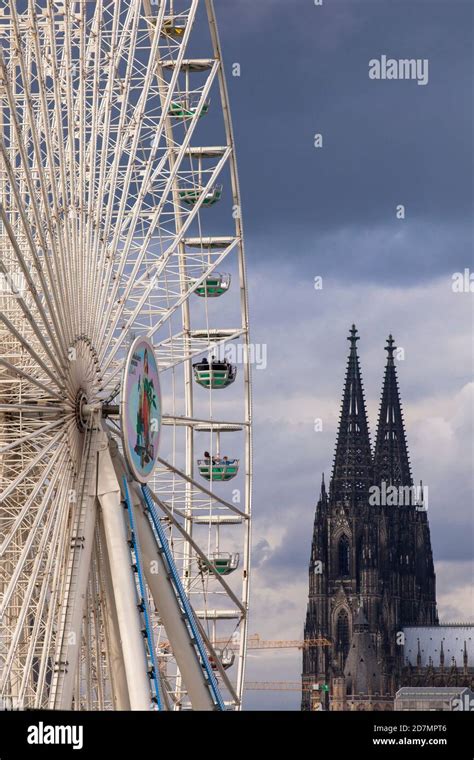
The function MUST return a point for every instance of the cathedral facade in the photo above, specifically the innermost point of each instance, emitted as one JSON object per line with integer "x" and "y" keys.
{"x": 371, "y": 571}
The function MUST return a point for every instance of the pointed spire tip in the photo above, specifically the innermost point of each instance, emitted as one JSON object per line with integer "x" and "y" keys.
{"x": 390, "y": 347}
{"x": 353, "y": 337}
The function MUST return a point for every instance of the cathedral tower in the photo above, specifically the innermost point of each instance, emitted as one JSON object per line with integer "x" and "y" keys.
{"x": 371, "y": 566}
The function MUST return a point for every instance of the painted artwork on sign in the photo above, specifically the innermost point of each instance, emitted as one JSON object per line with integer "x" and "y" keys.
{"x": 141, "y": 410}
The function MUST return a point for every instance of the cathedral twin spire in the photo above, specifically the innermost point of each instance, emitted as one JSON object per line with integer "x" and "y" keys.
{"x": 391, "y": 454}
{"x": 355, "y": 470}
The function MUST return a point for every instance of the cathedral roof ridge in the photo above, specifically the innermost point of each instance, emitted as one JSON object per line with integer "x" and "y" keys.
{"x": 456, "y": 624}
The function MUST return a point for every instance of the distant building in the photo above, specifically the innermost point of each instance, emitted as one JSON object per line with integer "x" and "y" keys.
{"x": 440, "y": 655}
{"x": 371, "y": 573}
{"x": 438, "y": 699}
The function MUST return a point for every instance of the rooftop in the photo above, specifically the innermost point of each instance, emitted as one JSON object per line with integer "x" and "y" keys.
{"x": 427, "y": 692}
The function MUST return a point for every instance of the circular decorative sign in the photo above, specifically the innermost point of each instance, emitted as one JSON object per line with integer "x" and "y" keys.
{"x": 141, "y": 409}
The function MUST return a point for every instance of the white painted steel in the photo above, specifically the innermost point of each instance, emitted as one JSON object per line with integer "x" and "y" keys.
{"x": 96, "y": 248}
{"x": 123, "y": 583}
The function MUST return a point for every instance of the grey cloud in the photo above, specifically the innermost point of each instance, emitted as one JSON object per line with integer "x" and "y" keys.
{"x": 305, "y": 70}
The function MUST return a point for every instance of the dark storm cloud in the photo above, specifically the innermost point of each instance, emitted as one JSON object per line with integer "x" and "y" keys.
{"x": 305, "y": 70}
{"x": 399, "y": 252}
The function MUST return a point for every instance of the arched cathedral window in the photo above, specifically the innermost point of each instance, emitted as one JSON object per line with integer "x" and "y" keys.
{"x": 342, "y": 633}
{"x": 344, "y": 556}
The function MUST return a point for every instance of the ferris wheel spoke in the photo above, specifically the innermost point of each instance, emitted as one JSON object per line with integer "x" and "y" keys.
{"x": 153, "y": 173}
{"x": 38, "y": 645}
{"x": 28, "y": 347}
{"x": 29, "y": 467}
{"x": 181, "y": 348}
{"x": 51, "y": 283}
{"x": 31, "y": 538}
{"x": 100, "y": 148}
{"x": 18, "y": 516}
{"x": 28, "y": 546}
{"x": 175, "y": 300}
{"x": 51, "y": 622}
{"x": 141, "y": 282}
{"x": 51, "y": 131}
{"x": 14, "y": 370}
{"x": 26, "y": 344}
{"x": 66, "y": 201}
{"x": 132, "y": 130}
{"x": 91, "y": 151}
{"x": 120, "y": 126}
{"x": 31, "y": 586}
{"x": 132, "y": 164}
{"x": 29, "y": 436}
{"x": 37, "y": 409}
{"x": 29, "y": 281}
{"x": 76, "y": 117}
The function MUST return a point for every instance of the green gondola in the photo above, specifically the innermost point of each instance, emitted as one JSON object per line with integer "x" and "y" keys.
{"x": 213, "y": 286}
{"x": 214, "y": 376}
{"x": 223, "y": 563}
{"x": 186, "y": 110}
{"x": 220, "y": 472}
{"x": 193, "y": 195}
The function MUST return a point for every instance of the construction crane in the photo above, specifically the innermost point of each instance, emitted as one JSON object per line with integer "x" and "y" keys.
{"x": 256, "y": 642}
{"x": 277, "y": 686}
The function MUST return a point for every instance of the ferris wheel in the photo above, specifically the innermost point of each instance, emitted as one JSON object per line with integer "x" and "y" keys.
{"x": 124, "y": 565}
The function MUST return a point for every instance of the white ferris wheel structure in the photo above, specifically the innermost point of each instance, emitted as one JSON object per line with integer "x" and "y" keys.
{"x": 119, "y": 221}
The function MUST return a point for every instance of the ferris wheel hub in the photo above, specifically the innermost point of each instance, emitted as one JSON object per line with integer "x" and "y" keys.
{"x": 80, "y": 411}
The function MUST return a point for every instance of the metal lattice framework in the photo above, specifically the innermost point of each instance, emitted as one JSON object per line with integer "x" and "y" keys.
{"x": 115, "y": 147}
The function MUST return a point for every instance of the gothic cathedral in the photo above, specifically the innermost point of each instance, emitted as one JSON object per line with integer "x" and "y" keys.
{"x": 371, "y": 569}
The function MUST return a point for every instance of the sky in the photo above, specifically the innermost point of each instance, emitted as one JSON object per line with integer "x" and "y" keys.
{"x": 331, "y": 213}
